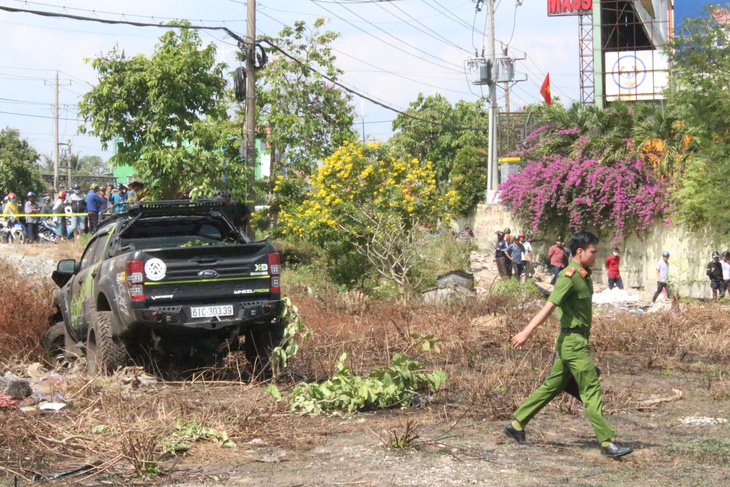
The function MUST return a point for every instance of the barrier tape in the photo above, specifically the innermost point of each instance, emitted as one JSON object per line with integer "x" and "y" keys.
{"x": 14, "y": 215}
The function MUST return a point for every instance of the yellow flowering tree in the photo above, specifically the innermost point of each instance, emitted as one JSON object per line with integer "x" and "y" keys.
{"x": 361, "y": 193}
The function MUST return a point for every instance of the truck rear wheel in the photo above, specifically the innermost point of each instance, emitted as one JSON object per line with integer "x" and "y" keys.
{"x": 259, "y": 343}
{"x": 104, "y": 353}
{"x": 53, "y": 342}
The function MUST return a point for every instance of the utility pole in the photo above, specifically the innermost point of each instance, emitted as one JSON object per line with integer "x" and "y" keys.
{"x": 55, "y": 139}
{"x": 505, "y": 53}
{"x": 250, "y": 139}
{"x": 250, "y": 133}
{"x": 492, "y": 153}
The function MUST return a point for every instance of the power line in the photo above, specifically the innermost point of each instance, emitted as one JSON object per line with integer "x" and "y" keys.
{"x": 238, "y": 38}
{"x": 379, "y": 68}
{"x": 434, "y": 35}
{"x": 449, "y": 15}
{"x": 124, "y": 15}
{"x": 123, "y": 22}
{"x": 367, "y": 97}
{"x": 390, "y": 44}
{"x": 41, "y": 116}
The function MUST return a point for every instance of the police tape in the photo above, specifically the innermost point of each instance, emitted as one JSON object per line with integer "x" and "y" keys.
{"x": 16, "y": 215}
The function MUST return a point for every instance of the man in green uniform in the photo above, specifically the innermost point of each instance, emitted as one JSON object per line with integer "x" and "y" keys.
{"x": 572, "y": 296}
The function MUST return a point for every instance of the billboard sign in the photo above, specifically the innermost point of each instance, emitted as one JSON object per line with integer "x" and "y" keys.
{"x": 560, "y": 8}
{"x": 636, "y": 75}
{"x": 684, "y": 9}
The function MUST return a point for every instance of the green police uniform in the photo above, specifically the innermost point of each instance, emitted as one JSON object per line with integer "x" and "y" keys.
{"x": 573, "y": 295}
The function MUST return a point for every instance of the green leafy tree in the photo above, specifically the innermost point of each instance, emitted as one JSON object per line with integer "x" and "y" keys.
{"x": 468, "y": 179}
{"x": 18, "y": 171}
{"x": 167, "y": 116}
{"x": 307, "y": 116}
{"x": 439, "y": 142}
{"x": 700, "y": 56}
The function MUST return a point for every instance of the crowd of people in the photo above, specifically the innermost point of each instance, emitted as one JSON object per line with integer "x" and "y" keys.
{"x": 514, "y": 255}
{"x": 76, "y": 211}
{"x": 514, "y": 258}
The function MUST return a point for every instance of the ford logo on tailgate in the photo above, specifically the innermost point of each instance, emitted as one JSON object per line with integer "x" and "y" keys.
{"x": 208, "y": 273}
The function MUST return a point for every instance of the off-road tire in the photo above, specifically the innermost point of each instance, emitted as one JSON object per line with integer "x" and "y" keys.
{"x": 259, "y": 343}
{"x": 53, "y": 342}
{"x": 104, "y": 353}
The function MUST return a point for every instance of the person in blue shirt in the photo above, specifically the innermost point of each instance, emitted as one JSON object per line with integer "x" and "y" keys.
{"x": 117, "y": 198}
{"x": 94, "y": 203}
{"x": 515, "y": 253}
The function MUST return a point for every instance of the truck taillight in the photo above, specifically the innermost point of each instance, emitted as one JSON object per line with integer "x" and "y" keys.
{"x": 275, "y": 271}
{"x": 135, "y": 279}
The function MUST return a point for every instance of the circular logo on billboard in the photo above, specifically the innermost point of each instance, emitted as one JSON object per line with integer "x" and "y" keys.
{"x": 155, "y": 269}
{"x": 629, "y": 72}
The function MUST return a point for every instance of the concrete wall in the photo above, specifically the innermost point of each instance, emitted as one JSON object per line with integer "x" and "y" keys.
{"x": 690, "y": 252}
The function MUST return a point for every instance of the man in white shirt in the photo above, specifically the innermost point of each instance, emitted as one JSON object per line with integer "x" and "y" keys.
{"x": 662, "y": 276}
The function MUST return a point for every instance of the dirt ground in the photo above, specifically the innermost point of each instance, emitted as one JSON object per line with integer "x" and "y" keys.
{"x": 458, "y": 430}
{"x": 457, "y": 445}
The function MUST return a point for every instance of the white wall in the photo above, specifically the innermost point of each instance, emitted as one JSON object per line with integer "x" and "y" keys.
{"x": 690, "y": 252}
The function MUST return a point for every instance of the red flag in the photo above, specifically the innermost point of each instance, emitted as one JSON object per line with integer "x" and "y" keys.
{"x": 545, "y": 90}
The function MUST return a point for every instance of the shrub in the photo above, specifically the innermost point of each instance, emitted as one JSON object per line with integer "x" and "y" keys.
{"x": 364, "y": 201}
{"x": 25, "y": 305}
{"x": 621, "y": 196}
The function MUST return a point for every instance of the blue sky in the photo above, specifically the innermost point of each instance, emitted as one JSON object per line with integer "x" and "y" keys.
{"x": 392, "y": 50}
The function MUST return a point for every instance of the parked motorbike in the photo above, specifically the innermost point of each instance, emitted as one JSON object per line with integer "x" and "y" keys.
{"x": 12, "y": 231}
{"x": 50, "y": 232}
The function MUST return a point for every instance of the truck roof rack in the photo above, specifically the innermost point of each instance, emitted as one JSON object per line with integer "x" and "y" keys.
{"x": 163, "y": 208}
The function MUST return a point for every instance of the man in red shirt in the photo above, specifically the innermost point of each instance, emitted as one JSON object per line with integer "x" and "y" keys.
{"x": 556, "y": 254}
{"x": 614, "y": 276}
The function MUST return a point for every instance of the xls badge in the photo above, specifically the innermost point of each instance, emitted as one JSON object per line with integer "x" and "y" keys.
{"x": 155, "y": 269}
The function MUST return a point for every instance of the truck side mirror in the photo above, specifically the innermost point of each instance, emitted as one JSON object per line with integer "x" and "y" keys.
{"x": 64, "y": 272}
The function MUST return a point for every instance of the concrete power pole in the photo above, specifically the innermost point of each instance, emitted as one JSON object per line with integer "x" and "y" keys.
{"x": 250, "y": 139}
{"x": 505, "y": 53}
{"x": 492, "y": 153}
{"x": 55, "y": 139}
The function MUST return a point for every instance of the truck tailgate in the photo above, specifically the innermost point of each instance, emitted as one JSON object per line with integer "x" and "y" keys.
{"x": 206, "y": 274}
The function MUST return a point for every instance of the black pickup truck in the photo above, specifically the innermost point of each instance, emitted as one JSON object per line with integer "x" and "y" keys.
{"x": 175, "y": 276}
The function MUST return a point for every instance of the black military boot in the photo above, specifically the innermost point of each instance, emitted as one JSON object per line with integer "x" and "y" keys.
{"x": 518, "y": 436}
{"x": 614, "y": 451}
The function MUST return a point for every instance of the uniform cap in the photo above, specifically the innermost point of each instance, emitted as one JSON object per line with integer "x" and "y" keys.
{"x": 665, "y": 254}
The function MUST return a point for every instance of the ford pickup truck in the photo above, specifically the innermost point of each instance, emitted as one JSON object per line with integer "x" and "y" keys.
{"x": 174, "y": 276}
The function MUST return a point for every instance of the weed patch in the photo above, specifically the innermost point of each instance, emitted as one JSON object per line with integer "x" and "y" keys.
{"x": 395, "y": 385}
{"x": 25, "y": 305}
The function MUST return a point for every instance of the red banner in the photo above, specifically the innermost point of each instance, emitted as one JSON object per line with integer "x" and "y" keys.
{"x": 558, "y": 8}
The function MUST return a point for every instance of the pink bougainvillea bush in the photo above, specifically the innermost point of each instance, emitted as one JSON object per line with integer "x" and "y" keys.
{"x": 575, "y": 192}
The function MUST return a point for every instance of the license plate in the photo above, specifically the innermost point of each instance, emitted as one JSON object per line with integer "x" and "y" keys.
{"x": 211, "y": 311}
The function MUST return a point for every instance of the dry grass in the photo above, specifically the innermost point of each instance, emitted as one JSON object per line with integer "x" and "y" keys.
{"x": 67, "y": 249}
{"x": 484, "y": 370}
{"x": 25, "y": 305}
{"x": 129, "y": 432}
